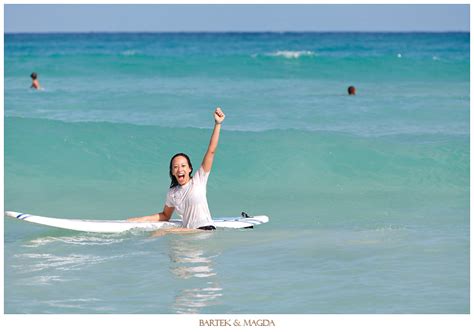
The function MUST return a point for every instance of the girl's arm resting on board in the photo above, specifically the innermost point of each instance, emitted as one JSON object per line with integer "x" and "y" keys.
{"x": 165, "y": 215}
{"x": 211, "y": 150}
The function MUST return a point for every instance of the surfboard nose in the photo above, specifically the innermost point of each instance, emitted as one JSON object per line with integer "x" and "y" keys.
{"x": 11, "y": 214}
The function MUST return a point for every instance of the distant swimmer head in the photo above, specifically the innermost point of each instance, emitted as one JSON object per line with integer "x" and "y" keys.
{"x": 351, "y": 90}
{"x": 34, "y": 84}
{"x": 180, "y": 169}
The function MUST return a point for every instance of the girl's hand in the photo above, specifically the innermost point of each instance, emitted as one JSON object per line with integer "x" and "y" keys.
{"x": 219, "y": 116}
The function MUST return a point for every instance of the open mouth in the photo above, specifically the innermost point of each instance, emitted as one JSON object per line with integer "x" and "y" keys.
{"x": 180, "y": 177}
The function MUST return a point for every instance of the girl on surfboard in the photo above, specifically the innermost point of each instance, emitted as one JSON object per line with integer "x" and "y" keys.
{"x": 187, "y": 193}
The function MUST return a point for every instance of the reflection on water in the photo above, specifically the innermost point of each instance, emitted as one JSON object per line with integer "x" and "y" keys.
{"x": 55, "y": 274}
{"x": 191, "y": 262}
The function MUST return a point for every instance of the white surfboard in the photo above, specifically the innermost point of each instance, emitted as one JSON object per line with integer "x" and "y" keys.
{"x": 118, "y": 226}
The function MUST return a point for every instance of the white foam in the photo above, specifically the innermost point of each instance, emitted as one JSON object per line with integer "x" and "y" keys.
{"x": 76, "y": 240}
{"x": 45, "y": 280}
{"x": 72, "y": 303}
{"x": 42, "y": 262}
{"x": 292, "y": 54}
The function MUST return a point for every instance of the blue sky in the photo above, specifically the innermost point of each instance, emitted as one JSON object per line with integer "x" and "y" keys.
{"x": 317, "y": 17}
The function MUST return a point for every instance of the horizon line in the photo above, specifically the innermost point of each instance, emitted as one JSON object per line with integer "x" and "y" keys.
{"x": 237, "y": 31}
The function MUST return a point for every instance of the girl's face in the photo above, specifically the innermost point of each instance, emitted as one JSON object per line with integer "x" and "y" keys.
{"x": 181, "y": 170}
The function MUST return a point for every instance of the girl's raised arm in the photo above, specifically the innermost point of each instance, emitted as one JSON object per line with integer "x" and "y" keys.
{"x": 211, "y": 150}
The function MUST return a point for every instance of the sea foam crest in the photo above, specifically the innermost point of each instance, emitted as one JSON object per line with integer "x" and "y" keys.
{"x": 292, "y": 54}
{"x": 105, "y": 239}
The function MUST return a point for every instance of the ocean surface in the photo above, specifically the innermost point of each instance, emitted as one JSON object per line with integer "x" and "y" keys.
{"x": 368, "y": 195}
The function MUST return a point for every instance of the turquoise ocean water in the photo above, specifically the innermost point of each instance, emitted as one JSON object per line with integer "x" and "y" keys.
{"x": 368, "y": 195}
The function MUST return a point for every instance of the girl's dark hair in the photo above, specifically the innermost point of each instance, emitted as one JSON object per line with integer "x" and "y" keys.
{"x": 174, "y": 182}
{"x": 34, "y": 75}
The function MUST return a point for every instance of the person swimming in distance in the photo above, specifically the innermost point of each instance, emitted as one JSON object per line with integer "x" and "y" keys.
{"x": 351, "y": 90}
{"x": 35, "y": 83}
{"x": 187, "y": 193}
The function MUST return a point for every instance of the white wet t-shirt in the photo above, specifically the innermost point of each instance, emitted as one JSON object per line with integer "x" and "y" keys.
{"x": 190, "y": 201}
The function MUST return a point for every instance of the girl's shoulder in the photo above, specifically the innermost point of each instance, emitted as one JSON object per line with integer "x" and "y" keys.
{"x": 200, "y": 175}
{"x": 173, "y": 190}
